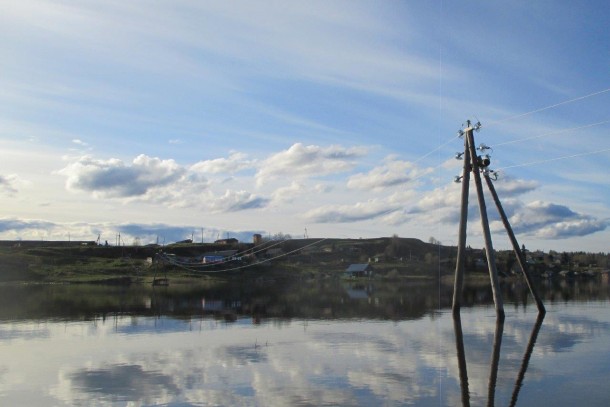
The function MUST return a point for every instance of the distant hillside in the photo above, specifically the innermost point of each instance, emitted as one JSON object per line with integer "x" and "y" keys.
{"x": 391, "y": 257}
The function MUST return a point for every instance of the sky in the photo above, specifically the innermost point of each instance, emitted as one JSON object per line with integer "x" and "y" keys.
{"x": 170, "y": 120}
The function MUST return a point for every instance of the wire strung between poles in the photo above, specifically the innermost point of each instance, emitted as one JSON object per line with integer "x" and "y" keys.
{"x": 198, "y": 269}
{"x": 554, "y": 159}
{"x": 492, "y": 123}
{"x": 552, "y": 133}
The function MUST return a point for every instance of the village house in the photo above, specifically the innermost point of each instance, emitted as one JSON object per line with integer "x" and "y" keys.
{"x": 359, "y": 270}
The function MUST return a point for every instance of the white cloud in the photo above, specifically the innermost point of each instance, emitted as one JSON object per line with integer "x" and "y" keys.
{"x": 539, "y": 219}
{"x": 234, "y": 163}
{"x": 113, "y": 178}
{"x": 322, "y": 188}
{"x": 360, "y": 211}
{"x": 287, "y": 194}
{"x": 7, "y": 184}
{"x": 447, "y": 196}
{"x": 394, "y": 173}
{"x": 308, "y": 161}
{"x": 233, "y": 201}
{"x": 513, "y": 187}
{"x": 576, "y": 227}
{"x": 552, "y": 221}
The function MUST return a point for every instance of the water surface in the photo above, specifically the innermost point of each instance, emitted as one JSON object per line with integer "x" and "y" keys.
{"x": 302, "y": 343}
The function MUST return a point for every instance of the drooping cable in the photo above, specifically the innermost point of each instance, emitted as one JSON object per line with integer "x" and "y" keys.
{"x": 186, "y": 267}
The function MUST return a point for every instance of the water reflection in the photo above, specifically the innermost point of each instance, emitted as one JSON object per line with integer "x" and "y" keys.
{"x": 495, "y": 360}
{"x": 317, "y": 343}
{"x": 272, "y": 300}
{"x": 526, "y": 358}
{"x": 123, "y": 383}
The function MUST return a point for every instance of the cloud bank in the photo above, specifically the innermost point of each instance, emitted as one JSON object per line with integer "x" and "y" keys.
{"x": 386, "y": 194}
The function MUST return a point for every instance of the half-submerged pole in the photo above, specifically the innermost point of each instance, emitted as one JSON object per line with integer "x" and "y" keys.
{"x": 461, "y": 249}
{"x": 489, "y": 251}
{"x": 515, "y": 244}
{"x": 477, "y": 165}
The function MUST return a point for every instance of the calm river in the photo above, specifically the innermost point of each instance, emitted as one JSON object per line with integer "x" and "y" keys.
{"x": 291, "y": 343}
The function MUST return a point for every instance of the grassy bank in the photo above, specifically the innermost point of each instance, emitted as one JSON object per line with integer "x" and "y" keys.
{"x": 392, "y": 259}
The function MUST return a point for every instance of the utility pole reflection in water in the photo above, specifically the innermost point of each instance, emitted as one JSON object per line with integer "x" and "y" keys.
{"x": 495, "y": 360}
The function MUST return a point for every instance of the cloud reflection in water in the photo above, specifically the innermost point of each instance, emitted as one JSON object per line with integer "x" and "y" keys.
{"x": 165, "y": 360}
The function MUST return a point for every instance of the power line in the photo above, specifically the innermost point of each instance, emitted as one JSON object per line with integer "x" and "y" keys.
{"x": 193, "y": 269}
{"x": 526, "y": 114}
{"x": 552, "y": 133}
{"x": 548, "y": 107}
{"x": 555, "y": 159}
{"x": 436, "y": 149}
{"x": 259, "y": 248}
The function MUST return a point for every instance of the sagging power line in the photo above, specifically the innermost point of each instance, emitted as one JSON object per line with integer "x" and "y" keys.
{"x": 197, "y": 269}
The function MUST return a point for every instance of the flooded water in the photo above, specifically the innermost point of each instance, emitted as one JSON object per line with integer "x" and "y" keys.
{"x": 266, "y": 343}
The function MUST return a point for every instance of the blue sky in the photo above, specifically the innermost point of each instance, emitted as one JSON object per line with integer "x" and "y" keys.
{"x": 184, "y": 118}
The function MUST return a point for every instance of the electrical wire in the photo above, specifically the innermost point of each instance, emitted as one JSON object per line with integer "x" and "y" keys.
{"x": 198, "y": 269}
{"x": 554, "y": 159}
{"x": 259, "y": 248}
{"x": 436, "y": 149}
{"x": 552, "y": 133}
{"x": 547, "y": 107}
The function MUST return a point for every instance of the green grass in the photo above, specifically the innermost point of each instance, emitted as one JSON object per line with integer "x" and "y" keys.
{"x": 114, "y": 264}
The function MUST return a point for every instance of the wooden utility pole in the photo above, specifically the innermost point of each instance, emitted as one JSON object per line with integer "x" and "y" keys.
{"x": 477, "y": 165}
{"x": 489, "y": 250}
{"x": 461, "y": 249}
{"x": 520, "y": 255}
